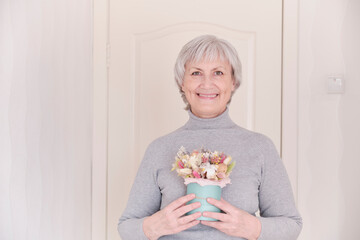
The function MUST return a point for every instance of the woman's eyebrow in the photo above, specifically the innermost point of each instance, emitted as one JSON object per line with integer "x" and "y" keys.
{"x": 215, "y": 68}
{"x": 195, "y": 68}
{"x": 219, "y": 67}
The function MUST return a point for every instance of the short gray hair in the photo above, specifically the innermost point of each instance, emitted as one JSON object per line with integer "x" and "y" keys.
{"x": 209, "y": 48}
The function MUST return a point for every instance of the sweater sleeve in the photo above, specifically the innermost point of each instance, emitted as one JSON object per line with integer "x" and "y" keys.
{"x": 144, "y": 200}
{"x": 279, "y": 217}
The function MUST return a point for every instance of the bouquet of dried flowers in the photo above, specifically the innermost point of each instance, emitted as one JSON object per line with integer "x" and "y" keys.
{"x": 203, "y": 164}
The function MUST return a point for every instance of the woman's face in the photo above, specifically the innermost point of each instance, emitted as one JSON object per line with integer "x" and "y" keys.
{"x": 208, "y": 87}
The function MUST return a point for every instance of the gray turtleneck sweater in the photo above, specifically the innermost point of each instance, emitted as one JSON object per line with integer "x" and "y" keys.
{"x": 259, "y": 180}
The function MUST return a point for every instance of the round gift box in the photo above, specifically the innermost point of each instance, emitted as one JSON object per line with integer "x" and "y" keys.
{"x": 203, "y": 192}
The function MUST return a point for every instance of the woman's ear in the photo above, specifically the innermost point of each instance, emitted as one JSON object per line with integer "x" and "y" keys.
{"x": 233, "y": 85}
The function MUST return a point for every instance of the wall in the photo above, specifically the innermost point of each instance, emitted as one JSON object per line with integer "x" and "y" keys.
{"x": 329, "y": 149}
{"x": 45, "y": 119}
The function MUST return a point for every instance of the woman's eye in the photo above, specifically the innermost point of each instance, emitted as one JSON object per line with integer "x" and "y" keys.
{"x": 218, "y": 73}
{"x": 195, "y": 73}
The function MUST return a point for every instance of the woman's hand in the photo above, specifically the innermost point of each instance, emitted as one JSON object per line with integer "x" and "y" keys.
{"x": 170, "y": 220}
{"x": 234, "y": 222}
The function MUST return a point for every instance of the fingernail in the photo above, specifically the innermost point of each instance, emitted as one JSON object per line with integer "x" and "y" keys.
{"x": 209, "y": 200}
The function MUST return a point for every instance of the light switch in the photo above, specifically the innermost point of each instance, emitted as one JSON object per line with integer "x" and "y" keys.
{"x": 335, "y": 84}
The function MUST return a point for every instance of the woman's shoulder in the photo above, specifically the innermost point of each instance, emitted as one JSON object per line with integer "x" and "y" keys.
{"x": 254, "y": 138}
{"x": 165, "y": 140}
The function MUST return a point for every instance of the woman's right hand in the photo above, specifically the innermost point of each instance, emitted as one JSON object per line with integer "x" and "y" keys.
{"x": 171, "y": 219}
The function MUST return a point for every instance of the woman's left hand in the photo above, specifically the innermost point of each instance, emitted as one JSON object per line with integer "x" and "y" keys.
{"x": 234, "y": 222}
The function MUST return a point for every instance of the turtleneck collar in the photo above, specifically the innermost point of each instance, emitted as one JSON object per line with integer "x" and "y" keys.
{"x": 221, "y": 121}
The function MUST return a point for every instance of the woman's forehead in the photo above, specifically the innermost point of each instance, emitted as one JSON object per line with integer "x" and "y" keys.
{"x": 205, "y": 61}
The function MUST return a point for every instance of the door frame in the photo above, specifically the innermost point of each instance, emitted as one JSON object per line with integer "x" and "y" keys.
{"x": 100, "y": 119}
{"x": 289, "y": 102}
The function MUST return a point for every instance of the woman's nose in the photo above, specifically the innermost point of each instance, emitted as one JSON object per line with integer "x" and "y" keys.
{"x": 207, "y": 79}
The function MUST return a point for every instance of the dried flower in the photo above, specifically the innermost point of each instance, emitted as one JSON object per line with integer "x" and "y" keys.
{"x": 203, "y": 164}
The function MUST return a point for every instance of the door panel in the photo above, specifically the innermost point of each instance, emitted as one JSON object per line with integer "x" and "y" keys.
{"x": 144, "y": 102}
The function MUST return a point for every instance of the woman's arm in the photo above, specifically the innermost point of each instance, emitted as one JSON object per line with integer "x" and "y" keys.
{"x": 143, "y": 219}
{"x": 279, "y": 219}
{"x": 279, "y": 216}
{"x": 144, "y": 200}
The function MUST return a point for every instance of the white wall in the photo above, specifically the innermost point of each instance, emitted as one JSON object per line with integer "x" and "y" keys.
{"x": 329, "y": 146}
{"x": 45, "y": 119}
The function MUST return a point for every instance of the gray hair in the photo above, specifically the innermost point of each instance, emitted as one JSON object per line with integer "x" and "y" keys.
{"x": 208, "y": 48}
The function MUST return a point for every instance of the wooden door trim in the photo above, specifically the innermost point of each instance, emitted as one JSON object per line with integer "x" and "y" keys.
{"x": 289, "y": 143}
{"x": 100, "y": 120}
{"x": 289, "y": 133}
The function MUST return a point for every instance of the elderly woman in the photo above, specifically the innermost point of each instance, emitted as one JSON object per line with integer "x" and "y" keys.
{"x": 208, "y": 72}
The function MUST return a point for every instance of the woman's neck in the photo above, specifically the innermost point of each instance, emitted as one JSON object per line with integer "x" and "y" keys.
{"x": 221, "y": 121}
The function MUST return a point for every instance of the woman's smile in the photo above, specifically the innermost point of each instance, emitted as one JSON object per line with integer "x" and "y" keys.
{"x": 207, "y": 96}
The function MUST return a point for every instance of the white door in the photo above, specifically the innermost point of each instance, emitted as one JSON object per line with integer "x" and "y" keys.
{"x": 144, "y": 102}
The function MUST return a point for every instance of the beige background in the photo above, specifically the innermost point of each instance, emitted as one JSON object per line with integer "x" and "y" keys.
{"x": 329, "y": 180}
{"x": 45, "y": 120}
{"x": 53, "y": 118}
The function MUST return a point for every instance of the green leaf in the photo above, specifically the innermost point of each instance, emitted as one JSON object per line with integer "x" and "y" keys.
{"x": 230, "y": 167}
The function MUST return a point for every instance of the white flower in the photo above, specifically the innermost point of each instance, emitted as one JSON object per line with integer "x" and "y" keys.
{"x": 181, "y": 152}
{"x": 211, "y": 174}
{"x": 184, "y": 172}
{"x": 209, "y": 169}
{"x": 227, "y": 160}
{"x": 195, "y": 161}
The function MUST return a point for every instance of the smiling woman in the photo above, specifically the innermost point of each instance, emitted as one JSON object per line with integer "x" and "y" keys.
{"x": 208, "y": 72}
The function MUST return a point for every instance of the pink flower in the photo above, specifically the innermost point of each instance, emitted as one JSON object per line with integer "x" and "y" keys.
{"x": 205, "y": 159}
{"x": 215, "y": 160}
{"x": 180, "y": 164}
{"x": 221, "y": 175}
{"x": 223, "y": 157}
{"x": 196, "y": 174}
